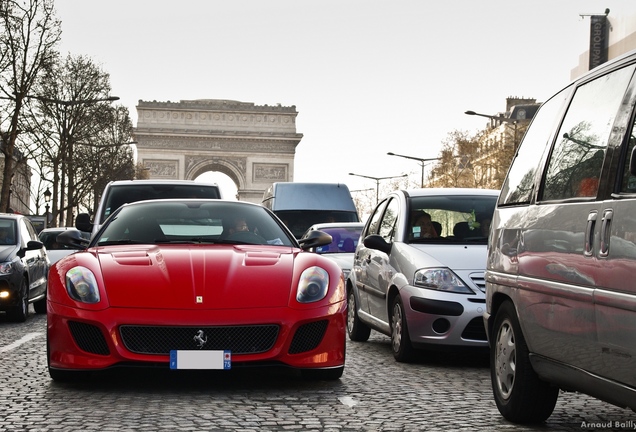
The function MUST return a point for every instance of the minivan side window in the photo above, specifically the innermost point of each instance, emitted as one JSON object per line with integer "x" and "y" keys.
{"x": 577, "y": 158}
{"x": 518, "y": 187}
{"x": 628, "y": 184}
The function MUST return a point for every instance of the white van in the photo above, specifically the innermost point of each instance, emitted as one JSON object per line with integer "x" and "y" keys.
{"x": 117, "y": 193}
{"x": 301, "y": 205}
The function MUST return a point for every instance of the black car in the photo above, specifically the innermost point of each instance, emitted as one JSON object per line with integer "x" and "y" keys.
{"x": 24, "y": 268}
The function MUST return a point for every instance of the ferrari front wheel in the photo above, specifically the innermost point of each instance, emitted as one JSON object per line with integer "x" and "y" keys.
{"x": 323, "y": 374}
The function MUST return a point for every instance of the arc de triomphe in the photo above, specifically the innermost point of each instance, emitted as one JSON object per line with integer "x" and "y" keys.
{"x": 253, "y": 145}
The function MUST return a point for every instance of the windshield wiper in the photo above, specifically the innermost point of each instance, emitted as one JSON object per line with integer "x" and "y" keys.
{"x": 187, "y": 241}
{"x": 119, "y": 242}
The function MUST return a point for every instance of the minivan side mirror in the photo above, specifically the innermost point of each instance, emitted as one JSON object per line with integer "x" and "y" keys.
{"x": 375, "y": 241}
{"x": 632, "y": 162}
{"x": 83, "y": 222}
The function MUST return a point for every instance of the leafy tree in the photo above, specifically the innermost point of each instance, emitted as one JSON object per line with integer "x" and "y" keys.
{"x": 456, "y": 166}
{"x": 85, "y": 135}
{"x": 29, "y": 32}
{"x": 106, "y": 157}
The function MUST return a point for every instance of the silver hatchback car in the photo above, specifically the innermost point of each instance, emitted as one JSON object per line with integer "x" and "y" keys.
{"x": 418, "y": 272}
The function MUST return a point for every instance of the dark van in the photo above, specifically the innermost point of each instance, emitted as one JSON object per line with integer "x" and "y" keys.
{"x": 118, "y": 193}
{"x": 560, "y": 285}
{"x": 301, "y": 205}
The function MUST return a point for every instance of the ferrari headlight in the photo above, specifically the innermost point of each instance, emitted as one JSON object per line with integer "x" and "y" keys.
{"x": 441, "y": 279}
{"x": 81, "y": 285}
{"x": 313, "y": 285}
{"x": 6, "y": 267}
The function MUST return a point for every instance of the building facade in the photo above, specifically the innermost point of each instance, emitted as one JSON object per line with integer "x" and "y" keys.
{"x": 20, "y": 196}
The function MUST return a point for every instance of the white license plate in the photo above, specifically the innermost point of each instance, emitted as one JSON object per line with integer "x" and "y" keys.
{"x": 185, "y": 359}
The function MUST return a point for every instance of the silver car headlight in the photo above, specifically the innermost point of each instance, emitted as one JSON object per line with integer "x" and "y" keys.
{"x": 6, "y": 267}
{"x": 81, "y": 285}
{"x": 313, "y": 285}
{"x": 441, "y": 279}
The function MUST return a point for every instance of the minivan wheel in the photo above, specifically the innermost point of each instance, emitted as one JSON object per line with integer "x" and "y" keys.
{"x": 357, "y": 330}
{"x": 400, "y": 339}
{"x": 520, "y": 395}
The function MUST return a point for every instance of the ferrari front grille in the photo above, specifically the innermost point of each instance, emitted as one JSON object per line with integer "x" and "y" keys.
{"x": 88, "y": 338}
{"x": 161, "y": 340}
{"x": 308, "y": 336}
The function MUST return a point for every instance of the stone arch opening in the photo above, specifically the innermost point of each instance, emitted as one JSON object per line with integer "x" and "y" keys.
{"x": 252, "y": 145}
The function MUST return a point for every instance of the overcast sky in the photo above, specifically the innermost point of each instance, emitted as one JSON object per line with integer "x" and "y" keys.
{"x": 366, "y": 76}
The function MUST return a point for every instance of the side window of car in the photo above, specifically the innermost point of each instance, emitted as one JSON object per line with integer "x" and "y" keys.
{"x": 25, "y": 234}
{"x": 518, "y": 187}
{"x": 375, "y": 219}
{"x": 575, "y": 164}
{"x": 389, "y": 220}
{"x": 628, "y": 183}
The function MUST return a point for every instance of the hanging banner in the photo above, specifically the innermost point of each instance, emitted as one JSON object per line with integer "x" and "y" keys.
{"x": 598, "y": 40}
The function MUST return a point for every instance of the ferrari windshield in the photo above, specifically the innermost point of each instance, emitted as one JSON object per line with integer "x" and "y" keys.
{"x": 193, "y": 221}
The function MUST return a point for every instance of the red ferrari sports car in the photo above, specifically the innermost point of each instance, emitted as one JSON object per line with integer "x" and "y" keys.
{"x": 195, "y": 284}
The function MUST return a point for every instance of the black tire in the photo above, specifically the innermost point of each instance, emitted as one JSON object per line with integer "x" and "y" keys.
{"x": 63, "y": 376}
{"x": 323, "y": 374}
{"x": 400, "y": 340}
{"x": 59, "y": 375}
{"x": 20, "y": 311}
{"x": 520, "y": 395}
{"x": 40, "y": 306}
{"x": 357, "y": 330}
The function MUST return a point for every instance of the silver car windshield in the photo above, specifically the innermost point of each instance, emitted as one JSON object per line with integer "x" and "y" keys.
{"x": 450, "y": 218}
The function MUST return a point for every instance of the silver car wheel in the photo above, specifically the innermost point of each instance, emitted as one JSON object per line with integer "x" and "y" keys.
{"x": 396, "y": 328}
{"x": 505, "y": 359}
{"x": 351, "y": 312}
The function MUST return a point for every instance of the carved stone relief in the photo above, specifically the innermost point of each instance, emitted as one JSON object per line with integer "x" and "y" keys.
{"x": 166, "y": 169}
{"x": 269, "y": 172}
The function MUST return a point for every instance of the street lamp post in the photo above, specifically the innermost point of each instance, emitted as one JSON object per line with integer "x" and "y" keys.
{"x": 47, "y": 200}
{"x": 499, "y": 118}
{"x": 420, "y": 160}
{"x": 377, "y": 182}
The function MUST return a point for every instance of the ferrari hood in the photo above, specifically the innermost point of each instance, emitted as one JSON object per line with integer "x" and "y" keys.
{"x": 197, "y": 277}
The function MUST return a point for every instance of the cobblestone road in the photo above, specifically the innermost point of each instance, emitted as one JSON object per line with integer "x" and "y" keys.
{"x": 437, "y": 392}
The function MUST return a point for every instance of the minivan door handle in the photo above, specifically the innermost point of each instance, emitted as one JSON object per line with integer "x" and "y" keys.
{"x": 606, "y": 225}
{"x": 589, "y": 233}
